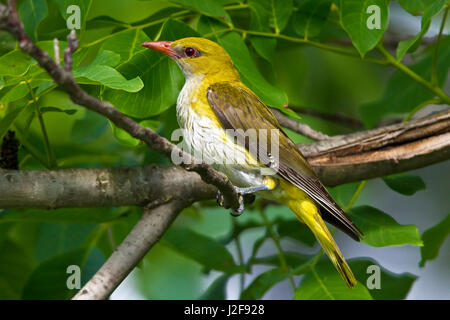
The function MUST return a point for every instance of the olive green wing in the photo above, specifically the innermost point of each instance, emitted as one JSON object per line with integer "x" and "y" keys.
{"x": 237, "y": 107}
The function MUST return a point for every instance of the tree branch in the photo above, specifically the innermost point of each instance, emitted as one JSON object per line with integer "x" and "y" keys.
{"x": 337, "y": 160}
{"x": 10, "y": 22}
{"x": 332, "y": 117}
{"x": 149, "y": 229}
{"x": 382, "y": 151}
{"x": 298, "y": 127}
{"x": 87, "y": 188}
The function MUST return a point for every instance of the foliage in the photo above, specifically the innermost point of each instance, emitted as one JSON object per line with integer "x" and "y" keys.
{"x": 285, "y": 51}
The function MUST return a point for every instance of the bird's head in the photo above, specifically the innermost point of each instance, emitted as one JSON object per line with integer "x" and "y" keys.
{"x": 197, "y": 57}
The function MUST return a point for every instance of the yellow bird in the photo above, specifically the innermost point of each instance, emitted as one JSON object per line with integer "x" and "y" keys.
{"x": 219, "y": 114}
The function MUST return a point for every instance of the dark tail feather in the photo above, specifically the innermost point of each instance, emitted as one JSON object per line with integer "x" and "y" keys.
{"x": 354, "y": 232}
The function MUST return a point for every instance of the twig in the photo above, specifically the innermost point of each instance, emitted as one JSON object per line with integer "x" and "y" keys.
{"x": 420, "y": 106}
{"x": 332, "y": 117}
{"x": 48, "y": 148}
{"x": 10, "y": 22}
{"x": 72, "y": 46}
{"x": 144, "y": 235}
{"x": 389, "y": 40}
{"x": 56, "y": 50}
{"x": 298, "y": 127}
{"x": 355, "y": 196}
{"x": 434, "y": 77}
{"x": 410, "y": 73}
{"x": 283, "y": 263}
{"x": 240, "y": 255}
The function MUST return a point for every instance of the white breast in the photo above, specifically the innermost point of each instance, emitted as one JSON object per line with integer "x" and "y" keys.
{"x": 204, "y": 141}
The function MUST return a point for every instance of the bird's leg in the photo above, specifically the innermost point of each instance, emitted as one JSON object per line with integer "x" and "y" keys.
{"x": 253, "y": 189}
{"x": 245, "y": 197}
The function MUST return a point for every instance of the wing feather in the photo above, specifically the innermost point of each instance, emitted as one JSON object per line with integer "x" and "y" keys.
{"x": 239, "y": 108}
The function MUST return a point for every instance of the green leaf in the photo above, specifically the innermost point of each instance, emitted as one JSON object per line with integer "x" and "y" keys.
{"x": 106, "y": 58}
{"x": 162, "y": 78}
{"x": 406, "y": 184}
{"x": 14, "y": 63}
{"x": 75, "y": 247}
{"x": 211, "y": 8}
{"x": 432, "y": 8}
{"x": 125, "y": 138}
{"x": 89, "y": 128}
{"x": 69, "y": 237}
{"x": 294, "y": 260}
{"x": 45, "y": 87}
{"x": 126, "y": 43}
{"x": 31, "y": 13}
{"x": 433, "y": 239}
{"x": 10, "y": 115}
{"x": 107, "y": 76}
{"x": 262, "y": 283}
{"x": 310, "y": 17}
{"x": 206, "y": 251}
{"x": 217, "y": 289}
{"x": 392, "y": 286}
{"x": 49, "y": 279}
{"x": 325, "y": 283}
{"x": 295, "y": 230}
{"x": 275, "y": 13}
{"x": 264, "y": 46}
{"x": 259, "y": 21}
{"x": 256, "y": 246}
{"x": 415, "y": 7}
{"x": 402, "y": 93}
{"x": 259, "y": 15}
{"x": 381, "y": 230}
{"x": 118, "y": 231}
{"x": 16, "y": 264}
{"x": 100, "y": 71}
{"x": 15, "y": 93}
{"x": 355, "y": 20}
{"x": 8, "y": 42}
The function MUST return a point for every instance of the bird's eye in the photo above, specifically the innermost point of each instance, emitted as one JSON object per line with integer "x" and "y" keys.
{"x": 189, "y": 51}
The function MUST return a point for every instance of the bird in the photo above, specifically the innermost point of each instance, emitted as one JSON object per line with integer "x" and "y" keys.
{"x": 220, "y": 118}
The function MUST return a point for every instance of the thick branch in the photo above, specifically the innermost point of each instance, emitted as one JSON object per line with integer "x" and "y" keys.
{"x": 84, "y": 188}
{"x": 337, "y": 160}
{"x": 382, "y": 151}
{"x": 10, "y": 22}
{"x": 148, "y": 231}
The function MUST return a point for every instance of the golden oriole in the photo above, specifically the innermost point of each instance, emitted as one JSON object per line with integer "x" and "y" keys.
{"x": 213, "y": 103}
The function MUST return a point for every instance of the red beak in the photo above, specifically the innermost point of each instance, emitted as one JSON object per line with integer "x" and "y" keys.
{"x": 161, "y": 46}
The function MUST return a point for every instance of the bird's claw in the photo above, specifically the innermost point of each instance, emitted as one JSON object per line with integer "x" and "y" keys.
{"x": 235, "y": 212}
{"x": 220, "y": 199}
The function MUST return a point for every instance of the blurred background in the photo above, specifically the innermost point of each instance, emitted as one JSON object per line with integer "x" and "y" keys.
{"x": 313, "y": 79}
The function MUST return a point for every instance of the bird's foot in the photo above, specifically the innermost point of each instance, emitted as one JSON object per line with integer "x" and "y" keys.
{"x": 245, "y": 195}
{"x": 235, "y": 212}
